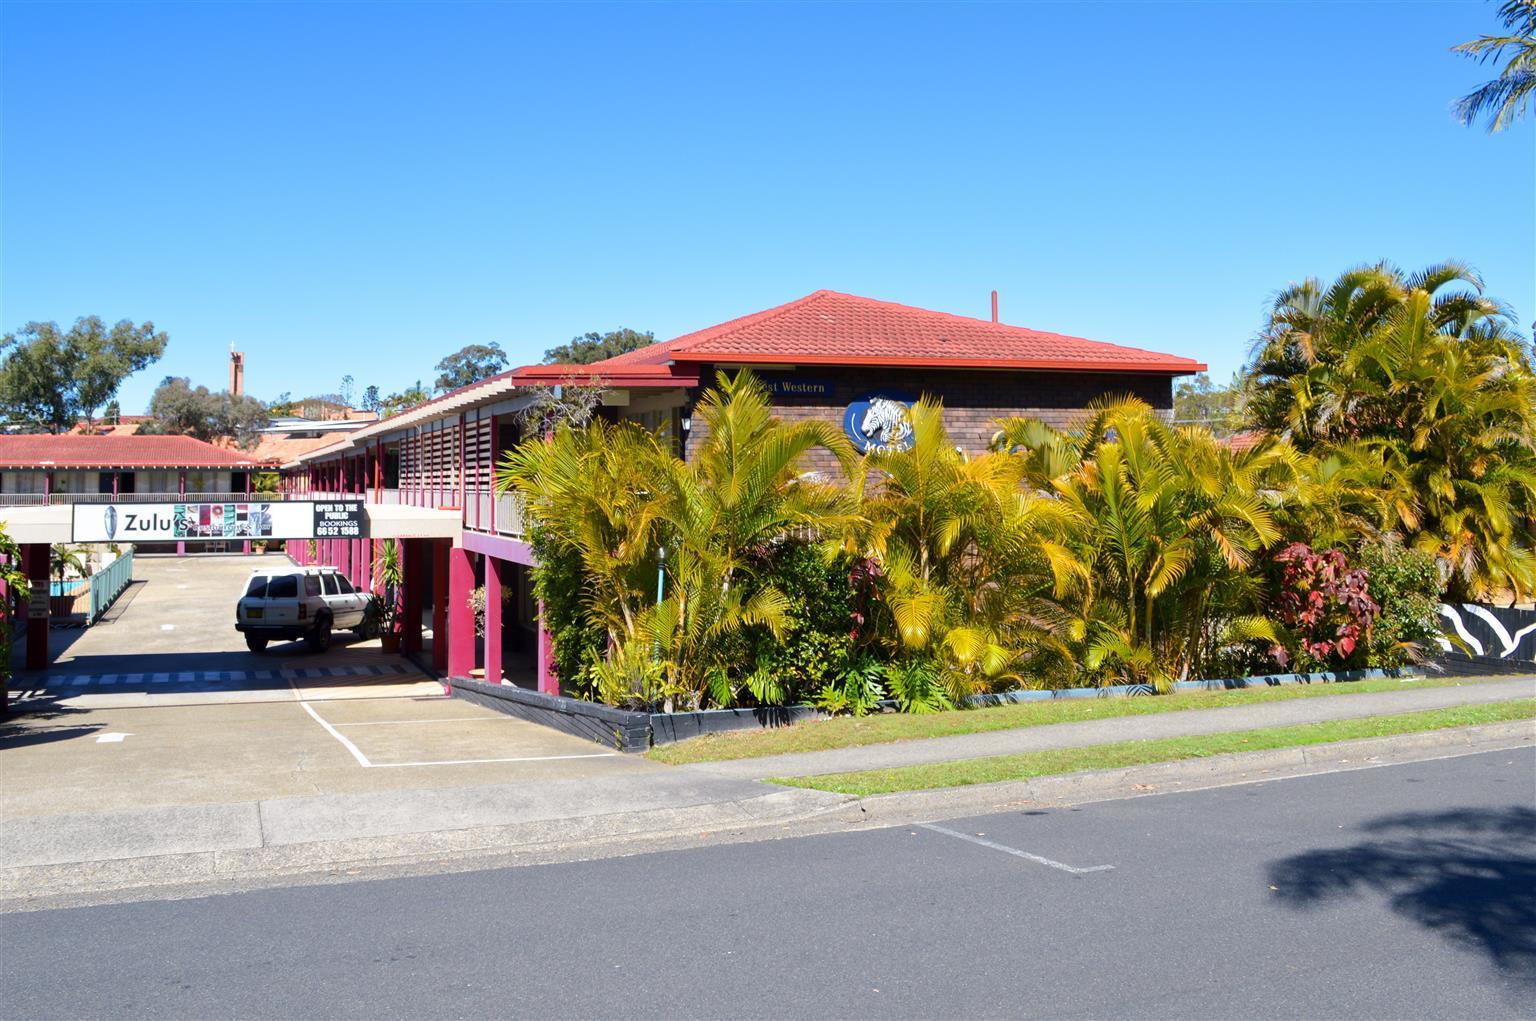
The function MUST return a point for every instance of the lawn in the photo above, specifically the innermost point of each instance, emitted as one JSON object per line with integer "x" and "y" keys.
{"x": 1135, "y": 753}
{"x": 849, "y": 732}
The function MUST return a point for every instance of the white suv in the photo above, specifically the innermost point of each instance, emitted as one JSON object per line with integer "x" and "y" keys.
{"x": 300, "y": 602}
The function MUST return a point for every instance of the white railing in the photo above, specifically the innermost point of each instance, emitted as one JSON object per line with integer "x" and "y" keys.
{"x": 510, "y": 519}
{"x": 46, "y": 499}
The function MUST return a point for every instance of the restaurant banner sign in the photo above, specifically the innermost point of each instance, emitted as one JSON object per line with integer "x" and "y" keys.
{"x": 256, "y": 519}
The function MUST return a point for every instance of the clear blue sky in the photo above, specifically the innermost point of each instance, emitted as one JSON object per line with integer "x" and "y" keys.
{"x": 362, "y": 188}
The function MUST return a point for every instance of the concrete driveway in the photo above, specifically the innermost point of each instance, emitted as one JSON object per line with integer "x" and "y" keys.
{"x": 172, "y": 633}
{"x": 161, "y": 704}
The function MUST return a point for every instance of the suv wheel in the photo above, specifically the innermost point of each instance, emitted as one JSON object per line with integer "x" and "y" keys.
{"x": 319, "y": 639}
{"x": 255, "y": 644}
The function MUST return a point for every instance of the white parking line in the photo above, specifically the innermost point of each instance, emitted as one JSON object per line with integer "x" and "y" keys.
{"x": 362, "y": 760}
{"x": 396, "y": 723}
{"x": 468, "y": 762}
{"x": 983, "y": 842}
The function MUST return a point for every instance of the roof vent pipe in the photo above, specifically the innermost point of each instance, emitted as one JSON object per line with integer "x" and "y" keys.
{"x": 994, "y": 306}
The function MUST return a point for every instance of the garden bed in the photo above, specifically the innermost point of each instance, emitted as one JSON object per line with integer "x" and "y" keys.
{"x": 628, "y": 730}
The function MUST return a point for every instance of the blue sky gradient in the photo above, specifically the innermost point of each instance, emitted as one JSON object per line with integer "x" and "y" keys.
{"x": 363, "y": 188}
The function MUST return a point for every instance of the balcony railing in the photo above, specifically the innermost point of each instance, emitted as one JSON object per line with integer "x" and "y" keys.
{"x": 51, "y": 499}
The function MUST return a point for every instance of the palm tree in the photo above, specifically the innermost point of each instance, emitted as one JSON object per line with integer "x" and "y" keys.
{"x": 625, "y": 517}
{"x": 1418, "y": 402}
{"x": 64, "y": 559}
{"x": 967, "y": 572}
{"x": 1505, "y": 98}
{"x": 1164, "y": 527}
{"x": 596, "y": 494}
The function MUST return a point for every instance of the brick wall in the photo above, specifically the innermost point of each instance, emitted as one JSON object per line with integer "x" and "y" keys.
{"x": 973, "y": 400}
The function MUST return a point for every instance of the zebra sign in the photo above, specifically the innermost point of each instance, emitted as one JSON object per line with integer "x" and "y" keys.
{"x": 880, "y": 421}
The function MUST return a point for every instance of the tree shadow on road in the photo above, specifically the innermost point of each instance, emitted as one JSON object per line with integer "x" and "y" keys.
{"x": 1468, "y": 875}
{"x": 20, "y": 737}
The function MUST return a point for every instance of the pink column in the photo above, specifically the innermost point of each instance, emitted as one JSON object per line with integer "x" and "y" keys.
{"x": 362, "y": 563}
{"x": 34, "y": 564}
{"x": 461, "y": 614}
{"x": 247, "y": 549}
{"x": 413, "y": 561}
{"x": 549, "y": 678}
{"x": 493, "y": 581}
{"x": 438, "y": 550}
{"x": 181, "y": 491}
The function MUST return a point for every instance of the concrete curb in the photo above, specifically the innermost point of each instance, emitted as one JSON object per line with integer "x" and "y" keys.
{"x": 781, "y": 813}
{"x": 1196, "y": 774}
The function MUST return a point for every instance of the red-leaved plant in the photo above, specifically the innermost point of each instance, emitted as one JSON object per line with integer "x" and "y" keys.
{"x": 1325, "y": 604}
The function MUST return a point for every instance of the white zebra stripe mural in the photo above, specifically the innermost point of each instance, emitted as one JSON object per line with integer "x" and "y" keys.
{"x": 1494, "y": 631}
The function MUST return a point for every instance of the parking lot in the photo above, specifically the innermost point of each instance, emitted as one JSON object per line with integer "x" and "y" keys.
{"x": 161, "y": 704}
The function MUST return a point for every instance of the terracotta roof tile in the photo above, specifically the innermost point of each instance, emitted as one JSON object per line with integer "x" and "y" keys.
{"x": 831, "y": 328}
{"x": 138, "y": 451}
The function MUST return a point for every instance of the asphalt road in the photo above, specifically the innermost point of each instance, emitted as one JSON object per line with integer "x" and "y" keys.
{"x": 1402, "y": 891}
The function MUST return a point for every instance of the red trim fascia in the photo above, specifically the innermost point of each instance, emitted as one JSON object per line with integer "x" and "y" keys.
{"x": 628, "y": 378}
{"x": 1080, "y": 364}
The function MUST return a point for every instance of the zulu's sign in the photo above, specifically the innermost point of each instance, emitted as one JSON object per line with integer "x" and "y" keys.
{"x": 211, "y": 522}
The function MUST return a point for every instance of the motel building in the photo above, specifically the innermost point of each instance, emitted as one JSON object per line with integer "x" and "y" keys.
{"x": 426, "y": 477}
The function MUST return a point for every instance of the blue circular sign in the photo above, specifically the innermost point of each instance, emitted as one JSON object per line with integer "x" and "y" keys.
{"x": 880, "y": 421}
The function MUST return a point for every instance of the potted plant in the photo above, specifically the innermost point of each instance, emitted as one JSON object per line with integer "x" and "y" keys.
{"x": 379, "y": 619}
{"x": 387, "y": 578}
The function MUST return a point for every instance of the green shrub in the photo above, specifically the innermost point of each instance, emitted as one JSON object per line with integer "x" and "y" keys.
{"x": 815, "y": 646}
{"x": 578, "y": 639}
{"x": 1406, "y": 583}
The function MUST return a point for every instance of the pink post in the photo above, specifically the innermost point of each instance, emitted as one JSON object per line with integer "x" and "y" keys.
{"x": 439, "y": 551}
{"x": 461, "y": 613}
{"x": 34, "y": 563}
{"x": 549, "y": 678}
{"x": 413, "y": 553}
{"x": 493, "y": 569}
{"x": 181, "y": 491}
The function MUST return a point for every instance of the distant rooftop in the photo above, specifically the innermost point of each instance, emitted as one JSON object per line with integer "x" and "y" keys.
{"x": 44, "y": 451}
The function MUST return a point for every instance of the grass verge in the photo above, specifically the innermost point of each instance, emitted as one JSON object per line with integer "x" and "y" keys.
{"x": 1136, "y": 753}
{"x": 852, "y": 732}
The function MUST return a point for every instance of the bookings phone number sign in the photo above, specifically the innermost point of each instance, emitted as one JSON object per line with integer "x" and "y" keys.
{"x": 340, "y": 521}
{"x": 161, "y": 522}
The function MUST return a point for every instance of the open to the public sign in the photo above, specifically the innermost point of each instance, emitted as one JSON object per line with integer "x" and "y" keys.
{"x": 256, "y": 519}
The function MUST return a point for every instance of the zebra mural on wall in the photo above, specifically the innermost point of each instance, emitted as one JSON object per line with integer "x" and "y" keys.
{"x": 1491, "y": 632}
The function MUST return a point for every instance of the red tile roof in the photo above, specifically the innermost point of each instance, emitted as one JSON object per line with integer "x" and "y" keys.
{"x": 831, "y": 328}
{"x": 75, "y": 451}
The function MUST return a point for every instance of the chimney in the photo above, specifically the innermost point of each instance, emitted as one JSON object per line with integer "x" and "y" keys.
{"x": 994, "y": 306}
{"x": 236, "y": 372}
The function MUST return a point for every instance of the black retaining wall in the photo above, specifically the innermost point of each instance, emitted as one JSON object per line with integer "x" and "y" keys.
{"x": 621, "y": 729}
{"x": 612, "y": 728}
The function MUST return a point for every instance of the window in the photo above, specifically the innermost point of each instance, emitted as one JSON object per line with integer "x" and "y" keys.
{"x": 345, "y": 585}
{"x": 283, "y": 587}
{"x": 329, "y": 582}
{"x": 257, "y": 589}
{"x": 311, "y": 585}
